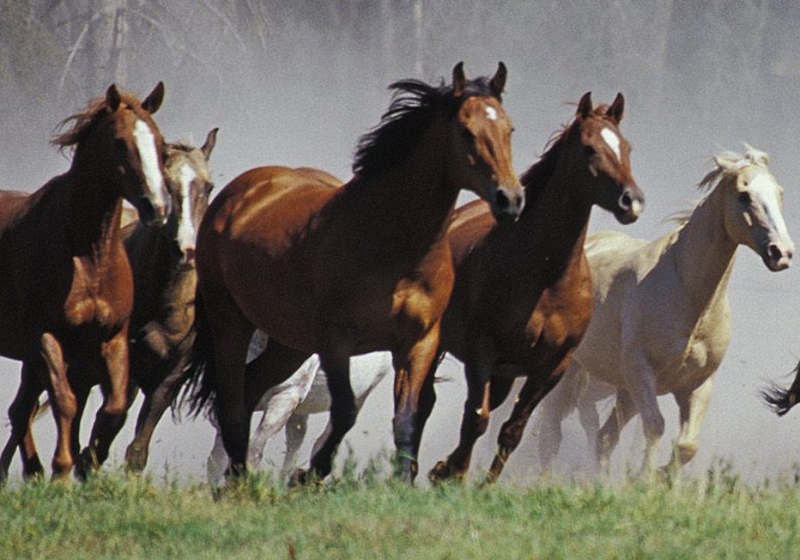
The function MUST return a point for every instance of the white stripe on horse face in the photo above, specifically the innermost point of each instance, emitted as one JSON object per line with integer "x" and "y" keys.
{"x": 491, "y": 113}
{"x": 612, "y": 140}
{"x": 187, "y": 233}
{"x": 146, "y": 144}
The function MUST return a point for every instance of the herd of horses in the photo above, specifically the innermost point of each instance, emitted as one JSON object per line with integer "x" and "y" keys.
{"x": 294, "y": 293}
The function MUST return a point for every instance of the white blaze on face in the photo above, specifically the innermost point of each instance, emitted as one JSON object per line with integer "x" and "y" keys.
{"x": 491, "y": 113}
{"x": 146, "y": 144}
{"x": 612, "y": 140}
{"x": 764, "y": 190}
{"x": 187, "y": 232}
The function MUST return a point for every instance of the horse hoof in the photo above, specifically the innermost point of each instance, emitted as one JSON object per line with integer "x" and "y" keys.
{"x": 135, "y": 459}
{"x": 442, "y": 472}
{"x": 300, "y": 477}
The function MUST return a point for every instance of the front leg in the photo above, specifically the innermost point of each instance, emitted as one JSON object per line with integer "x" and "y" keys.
{"x": 155, "y": 404}
{"x": 693, "y": 406}
{"x": 477, "y": 409}
{"x": 22, "y": 413}
{"x": 110, "y": 419}
{"x": 64, "y": 404}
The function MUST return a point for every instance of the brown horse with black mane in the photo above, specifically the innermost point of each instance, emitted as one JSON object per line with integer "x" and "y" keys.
{"x": 349, "y": 270}
{"x": 523, "y": 294}
{"x": 66, "y": 288}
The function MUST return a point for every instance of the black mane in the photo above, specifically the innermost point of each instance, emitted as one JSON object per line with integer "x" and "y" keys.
{"x": 414, "y": 107}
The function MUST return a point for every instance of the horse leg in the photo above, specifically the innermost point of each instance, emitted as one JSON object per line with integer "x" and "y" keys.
{"x": 22, "y": 412}
{"x": 608, "y": 435}
{"x": 693, "y": 406}
{"x": 335, "y": 362}
{"x": 427, "y": 400}
{"x": 474, "y": 422}
{"x": 64, "y": 404}
{"x": 217, "y": 462}
{"x": 533, "y": 391}
{"x": 296, "y": 429}
{"x": 412, "y": 371}
{"x": 280, "y": 401}
{"x": 553, "y": 411}
{"x": 155, "y": 404}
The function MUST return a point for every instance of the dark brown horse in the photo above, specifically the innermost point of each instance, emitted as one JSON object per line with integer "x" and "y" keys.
{"x": 349, "y": 270}
{"x": 66, "y": 288}
{"x": 523, "y": 296}
{"x": 163, "y": 262}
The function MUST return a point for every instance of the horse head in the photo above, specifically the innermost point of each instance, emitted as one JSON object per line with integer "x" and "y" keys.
{"x": 190, "y": 185}
{"x": 137, "y": 152}
{"x": 483, "y": 143}
{"x": 609, "y": 158}
{"x": 753, "y": 206}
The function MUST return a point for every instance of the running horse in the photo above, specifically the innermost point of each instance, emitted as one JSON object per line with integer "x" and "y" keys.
{"x": 662, "y": 314}
{"x": 523, "y": 293}
{"x": 348, "y": 270}
{"x": 66, "y": 288}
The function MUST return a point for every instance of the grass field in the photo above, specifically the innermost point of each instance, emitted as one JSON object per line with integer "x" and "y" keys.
{"x": 112, "y": 516}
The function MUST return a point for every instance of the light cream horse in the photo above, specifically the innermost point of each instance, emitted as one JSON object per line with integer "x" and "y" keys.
{"x": 661, "y": 321}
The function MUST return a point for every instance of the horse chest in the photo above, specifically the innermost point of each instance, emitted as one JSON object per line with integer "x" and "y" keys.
{"x": 97, "y": 298}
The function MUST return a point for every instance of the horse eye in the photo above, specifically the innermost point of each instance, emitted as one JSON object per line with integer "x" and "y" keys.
{"x": 744, "y": 198}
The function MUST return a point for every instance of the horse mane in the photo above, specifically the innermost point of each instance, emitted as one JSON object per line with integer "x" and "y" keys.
{"x": 415, "y": 105}
{"x": 728, "y": 163}
{"x": 84, "y": 121}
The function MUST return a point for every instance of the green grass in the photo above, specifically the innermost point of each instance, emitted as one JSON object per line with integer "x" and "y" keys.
{"x": 112, "y": 516}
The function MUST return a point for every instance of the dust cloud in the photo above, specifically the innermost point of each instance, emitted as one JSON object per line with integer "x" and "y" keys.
{"x": 298, "y": 86}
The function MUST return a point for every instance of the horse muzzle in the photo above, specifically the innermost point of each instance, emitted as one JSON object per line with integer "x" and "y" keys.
{"x": 509, "y": 202}
{"x": 153, "y": 214}
{"x": 629, "y": 205}
{"x": 778, "y": 255}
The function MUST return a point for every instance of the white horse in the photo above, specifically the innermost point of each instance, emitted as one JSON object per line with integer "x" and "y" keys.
{"x": 661, "y": 320}
{"x": 289, "y": 404}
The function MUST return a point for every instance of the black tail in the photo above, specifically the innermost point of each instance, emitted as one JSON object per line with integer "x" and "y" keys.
{"x": 780, "y": 400}
{"x": 200, "y": 389}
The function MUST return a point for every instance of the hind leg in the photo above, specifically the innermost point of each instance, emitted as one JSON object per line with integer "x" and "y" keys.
{"x": 608, "y": 436}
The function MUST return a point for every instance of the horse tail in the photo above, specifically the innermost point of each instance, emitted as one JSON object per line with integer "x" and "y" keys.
{"x": 200, "y": 388}
{"x": 780, "y": 400}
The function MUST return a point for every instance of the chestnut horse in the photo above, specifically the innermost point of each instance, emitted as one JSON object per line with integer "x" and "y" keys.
{"x": 523, "y": 293}
{"x": 348, "y": 270}
{"x": 66, "y": 289}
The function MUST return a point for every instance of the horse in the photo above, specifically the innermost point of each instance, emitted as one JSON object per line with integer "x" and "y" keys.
{"x": 343, "y": 271}
{"x": 163, "y": 262}
{"x": 662, "y": 316}
{"x": 66, "y": 288}
{"x": 522, "y": 296}
{"x": 289, "y": 404}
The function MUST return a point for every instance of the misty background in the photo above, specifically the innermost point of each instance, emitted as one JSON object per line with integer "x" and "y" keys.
{"x": 297, "y": 83}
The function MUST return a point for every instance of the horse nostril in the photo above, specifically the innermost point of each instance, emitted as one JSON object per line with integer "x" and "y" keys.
{"x": 625, "y": 201}
{"x": 188, "y": 255}
{"x": 502, "y": 201}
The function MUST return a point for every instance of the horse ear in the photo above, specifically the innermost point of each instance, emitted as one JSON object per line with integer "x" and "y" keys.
{"x": 585, "y": 105}
{"x": 153, "y": 101}
{"x": 459, "y": 79}
{"x": 211, "y": 140}
{"x": 498, "y": 82}
{"x": 617, "y": 109}
{"x": 113, "y": 98}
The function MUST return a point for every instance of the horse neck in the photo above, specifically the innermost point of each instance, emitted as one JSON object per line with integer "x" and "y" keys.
{"x": 555, "y": 224}
{"x": 703, "y": 254}
{"x": 94, "y": 206}
{"x": 419, "y": 187}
